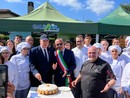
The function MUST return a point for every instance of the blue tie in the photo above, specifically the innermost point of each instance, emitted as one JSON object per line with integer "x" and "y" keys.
{"x": 45, "y": 54}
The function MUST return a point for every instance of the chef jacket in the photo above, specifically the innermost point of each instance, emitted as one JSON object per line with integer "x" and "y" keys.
{"x": 94, "y": 77}
{"x": 22, "y": 63}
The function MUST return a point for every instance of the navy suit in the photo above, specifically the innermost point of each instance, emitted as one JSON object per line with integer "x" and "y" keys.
{"x": 44, "y": 67}
{"x": 70, "y": 62}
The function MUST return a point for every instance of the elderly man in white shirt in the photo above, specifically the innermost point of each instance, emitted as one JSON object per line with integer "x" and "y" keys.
{"x": 80, "y": 53}
{"x": 22, "y": 62}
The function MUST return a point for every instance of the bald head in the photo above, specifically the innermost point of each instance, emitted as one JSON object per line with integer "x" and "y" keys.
{"x": 93, "y": 53}
{"x": 92, "y": 48}
{"x": 30, "y": 40}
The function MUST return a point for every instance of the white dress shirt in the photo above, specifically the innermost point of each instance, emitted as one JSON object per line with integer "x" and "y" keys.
{"x": 126, "y": 56}
{"x": 125, "y": 81}
{"x": 22, "y": 63}
{"x": 87, "y": 46}
{"x": 80, "y": 57}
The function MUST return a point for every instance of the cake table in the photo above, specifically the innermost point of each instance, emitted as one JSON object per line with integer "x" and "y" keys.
{"x": 61, "y": 94}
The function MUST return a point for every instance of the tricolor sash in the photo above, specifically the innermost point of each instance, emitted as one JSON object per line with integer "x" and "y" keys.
{"x": 63, "y": 66}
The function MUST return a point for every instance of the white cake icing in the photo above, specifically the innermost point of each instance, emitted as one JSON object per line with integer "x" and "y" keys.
{"x": 47, "y": 87}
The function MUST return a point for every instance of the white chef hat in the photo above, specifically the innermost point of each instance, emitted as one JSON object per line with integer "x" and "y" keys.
{"x": 115, "y": 47}
{"x": 22, "y": 45}
{"x": 1, "y": 48}
{"x": 128, "y": 43}
{"x": 4, "y": 48}
{"x": 98, "y": 45}
{"x": 127, "y": 38}
{"x": 128, "y": 50}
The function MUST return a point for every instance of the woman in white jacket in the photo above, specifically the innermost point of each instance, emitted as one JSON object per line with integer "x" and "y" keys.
{"x": 117, "y": 65}
{"x": 12, "y": 69}
{"x": 22, "y": 62}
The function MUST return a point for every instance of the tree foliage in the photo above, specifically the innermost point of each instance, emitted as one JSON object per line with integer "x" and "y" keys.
{"x": 126, "y": 7}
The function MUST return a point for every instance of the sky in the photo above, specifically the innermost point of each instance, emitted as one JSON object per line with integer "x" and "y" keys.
{"x": 82, "y": 10}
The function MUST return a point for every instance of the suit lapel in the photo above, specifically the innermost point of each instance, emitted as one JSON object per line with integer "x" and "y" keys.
{"x": 49, "y": 54}
{"x": 65, "y": 55}
{"x": 41, "y": 52}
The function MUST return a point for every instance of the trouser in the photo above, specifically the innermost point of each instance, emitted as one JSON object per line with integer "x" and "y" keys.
{"x": 77, "y": 91}
{"x": 21, "y": 93}
{"x": 113, "y": 94}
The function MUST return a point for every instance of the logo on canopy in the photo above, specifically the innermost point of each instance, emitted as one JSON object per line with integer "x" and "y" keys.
{"x": 46, "y": 28}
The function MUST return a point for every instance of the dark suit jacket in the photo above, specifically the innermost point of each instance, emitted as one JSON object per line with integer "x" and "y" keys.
{"x": 44, "y": 67}
{"x": 70, "y": 62}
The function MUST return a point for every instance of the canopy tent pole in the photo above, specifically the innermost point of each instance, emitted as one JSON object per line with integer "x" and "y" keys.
{"x": 97, "y": 38}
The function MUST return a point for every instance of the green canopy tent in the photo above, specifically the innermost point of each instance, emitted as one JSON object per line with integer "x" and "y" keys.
{"x": 117, "y": 23}
{"x": 46, "y": 19}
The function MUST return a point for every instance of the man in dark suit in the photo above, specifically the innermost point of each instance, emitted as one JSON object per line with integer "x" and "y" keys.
{"x": 41, "y": 61}
{"x": 61, "y": 74}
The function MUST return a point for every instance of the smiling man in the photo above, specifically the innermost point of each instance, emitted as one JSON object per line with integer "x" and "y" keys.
{"x": 96, "y": 76}
{"x": 65, "y": 64}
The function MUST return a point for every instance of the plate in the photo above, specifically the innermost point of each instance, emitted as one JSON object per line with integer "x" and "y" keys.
{"x": 65, "y": 89}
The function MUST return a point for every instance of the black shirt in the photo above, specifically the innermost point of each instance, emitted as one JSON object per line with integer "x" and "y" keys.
{"x": 94, "y": 76}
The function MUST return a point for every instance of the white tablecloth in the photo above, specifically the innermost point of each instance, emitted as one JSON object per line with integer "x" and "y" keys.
{"x": 61, "y": 94}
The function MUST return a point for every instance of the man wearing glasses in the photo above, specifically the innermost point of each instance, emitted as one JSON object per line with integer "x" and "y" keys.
{"x": 65, "y": 64}
{"x": 80, "y": 53}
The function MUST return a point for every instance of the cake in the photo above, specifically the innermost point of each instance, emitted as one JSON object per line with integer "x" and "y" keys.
{"x": 47, "y": 89}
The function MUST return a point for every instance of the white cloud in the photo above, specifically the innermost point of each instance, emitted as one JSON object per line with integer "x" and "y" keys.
{"x": 75, "y": 4}
{"x": 14, "y": 0}
{"x": 37, "y": 2}
{"x": 99, "y": 6}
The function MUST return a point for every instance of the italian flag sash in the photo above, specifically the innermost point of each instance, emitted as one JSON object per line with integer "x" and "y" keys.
{"x": 63, "y": 66}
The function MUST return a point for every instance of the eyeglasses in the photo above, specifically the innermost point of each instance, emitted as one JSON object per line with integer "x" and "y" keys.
{"x": 59, "y": 44}
{"x": 5, "y": 52}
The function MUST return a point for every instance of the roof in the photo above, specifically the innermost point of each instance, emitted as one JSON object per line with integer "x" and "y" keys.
{"x": 45, "y": 12}
{"x": 6, "y": 11}
{"x": 118, "y": 17}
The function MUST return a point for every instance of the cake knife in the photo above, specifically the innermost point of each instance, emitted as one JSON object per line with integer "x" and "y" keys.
{"x": 42, "y": 82}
